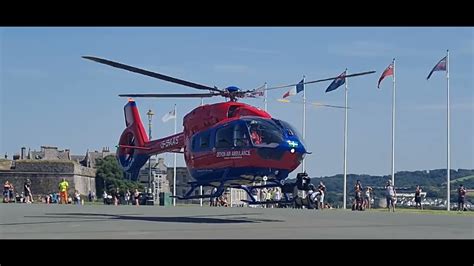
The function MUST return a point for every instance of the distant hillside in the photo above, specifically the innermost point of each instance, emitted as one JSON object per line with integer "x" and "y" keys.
{"x": 463, "y": 179}
{"x": 432, "y": 181}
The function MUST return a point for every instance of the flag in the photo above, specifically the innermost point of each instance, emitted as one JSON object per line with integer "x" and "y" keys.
{"x": 299, "y": 88}
{"x": 387, "y": 72}
{"x": 168, "y": 116}
{"x": 340, "y": 80}
{"x": 439, "y": 67}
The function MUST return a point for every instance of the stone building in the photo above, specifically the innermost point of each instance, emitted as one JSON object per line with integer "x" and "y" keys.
{"x": 46, "y": 167}
{"x": 45, "y": 175}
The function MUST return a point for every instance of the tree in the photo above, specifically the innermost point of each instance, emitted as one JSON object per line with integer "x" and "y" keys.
{"x": 110, "y": 176}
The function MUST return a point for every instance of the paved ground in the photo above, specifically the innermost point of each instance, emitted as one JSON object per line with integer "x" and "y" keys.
{"x": 104, "y": 222}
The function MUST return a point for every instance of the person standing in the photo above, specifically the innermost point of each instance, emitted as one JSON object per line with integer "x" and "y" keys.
{"x": 322, "y": 192}
{"x": 461, "y": 197}
{"x": 391, "y": 195}
{"x": 27, "y": 191}
{"x": 368, "y": 197}
{"x": 63, "y": 191}
{"x": 358, "y": 196}
{"x": 418, "y": 198}
{"x": 136, "y": 197}
{"x": 6, "y": 192}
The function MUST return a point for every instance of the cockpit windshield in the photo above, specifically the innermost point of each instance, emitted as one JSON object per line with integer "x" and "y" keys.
{"x": 264, "y": 132}
{"x": 290, "y": 130}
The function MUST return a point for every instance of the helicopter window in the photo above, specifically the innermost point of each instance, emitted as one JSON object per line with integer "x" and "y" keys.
{"x": 201, "y": 141}
{"x": 231, "y": 111}
{"x": 224, "y": 137}
{"x": 291, "y": 131}
{"x": 241, "y": 136}
{"x": 264, "y": 132}
{"x": 232, "y": 136}
{"x": 204, "y": 140}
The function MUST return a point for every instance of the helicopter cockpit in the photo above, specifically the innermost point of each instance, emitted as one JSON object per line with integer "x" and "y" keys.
{"x": 249, "y": 132}
{"x": 245, "y": 133}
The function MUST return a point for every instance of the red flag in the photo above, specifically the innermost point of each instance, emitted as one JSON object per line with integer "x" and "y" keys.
{"x": 387, "y": 72}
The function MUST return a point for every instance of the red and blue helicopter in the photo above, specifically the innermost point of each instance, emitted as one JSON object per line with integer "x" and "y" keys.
{"x": 227, "y": 144}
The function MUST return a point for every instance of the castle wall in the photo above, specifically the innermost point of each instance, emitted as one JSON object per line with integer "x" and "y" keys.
{"x": 46, "y": 175}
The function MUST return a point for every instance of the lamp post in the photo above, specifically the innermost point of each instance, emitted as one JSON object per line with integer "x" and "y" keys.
{"x": 150, "y": 116}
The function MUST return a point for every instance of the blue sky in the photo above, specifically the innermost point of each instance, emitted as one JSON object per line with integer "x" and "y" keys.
{"x": 49, "y": 95}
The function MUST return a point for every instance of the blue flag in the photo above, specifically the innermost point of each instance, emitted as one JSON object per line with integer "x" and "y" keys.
{"x": 300, "y": 86}
{"x": 295, "y": 90}
{"x": 340, "y": 80}
{"x": 441, "y": 66}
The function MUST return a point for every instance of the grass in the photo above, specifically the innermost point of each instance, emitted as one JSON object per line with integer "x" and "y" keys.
{"x": 462, "y": 179}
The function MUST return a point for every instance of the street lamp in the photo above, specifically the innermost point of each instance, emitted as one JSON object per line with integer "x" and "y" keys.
{"x": 150, "y": 116}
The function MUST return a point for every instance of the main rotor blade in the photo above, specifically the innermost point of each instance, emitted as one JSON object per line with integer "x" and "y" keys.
{"x": 159, "y": 95}
{"x": 151, "y": 74}
{"x": 321, "y": 80}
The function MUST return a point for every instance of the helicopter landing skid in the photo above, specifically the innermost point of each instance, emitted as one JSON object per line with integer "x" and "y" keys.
{"x": 249, "y": 202}
{"x": 220, "y": 189}
{"x": 188, "y": 195}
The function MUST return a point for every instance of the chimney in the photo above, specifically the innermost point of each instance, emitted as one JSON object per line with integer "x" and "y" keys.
{"x": 23, "y": 153}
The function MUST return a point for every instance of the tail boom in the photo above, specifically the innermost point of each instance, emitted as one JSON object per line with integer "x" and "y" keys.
{"x": 135, "y": 148}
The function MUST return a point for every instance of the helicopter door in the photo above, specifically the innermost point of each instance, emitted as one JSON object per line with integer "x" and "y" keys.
{"x": 232, "y": 142}
{"x": 201, "y": 148}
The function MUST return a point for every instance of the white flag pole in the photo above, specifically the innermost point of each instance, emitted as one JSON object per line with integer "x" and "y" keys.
{"x": 345, "y": 143}
{"x": 393, "y": 126}
{"x": 448, "y": 146}
{"x": 304, "y": 119}
{"x": 174, "y": 162}
{"x": 200, "y": 187}
{"x": 304, "y": 126}
{"x": 265, "y": 96}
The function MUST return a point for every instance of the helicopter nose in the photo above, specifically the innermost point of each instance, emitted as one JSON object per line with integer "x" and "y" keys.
{"x": 296, "y": 146}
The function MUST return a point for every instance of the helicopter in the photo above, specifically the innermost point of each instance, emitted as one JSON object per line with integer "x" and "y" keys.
{"x": 226, "y": 144}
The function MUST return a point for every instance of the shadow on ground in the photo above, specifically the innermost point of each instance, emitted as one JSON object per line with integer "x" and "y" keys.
{"x": 89, "y": 217}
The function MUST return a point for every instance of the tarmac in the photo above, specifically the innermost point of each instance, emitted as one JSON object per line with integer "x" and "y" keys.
{"x": 42, "y": 221}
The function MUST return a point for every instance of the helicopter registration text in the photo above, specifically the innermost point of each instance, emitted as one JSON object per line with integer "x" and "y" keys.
{"x": 169, "y": 142}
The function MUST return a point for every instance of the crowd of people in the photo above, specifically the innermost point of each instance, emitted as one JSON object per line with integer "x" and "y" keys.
{"x": 314, "y": 198}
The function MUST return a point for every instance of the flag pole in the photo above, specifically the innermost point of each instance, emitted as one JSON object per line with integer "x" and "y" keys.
{"x": 393, "y": 126}
{"x": 174, "y": 161}
{"x": 448, "y": 146}
{"x": 265, "y": 96}
{"x": 304, "y": 119}
{"x": 345, "y": 143}
{"x": 304, "y": 126}
{"x": 200, "y": 187}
